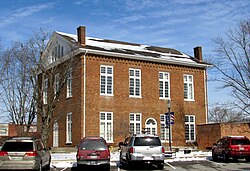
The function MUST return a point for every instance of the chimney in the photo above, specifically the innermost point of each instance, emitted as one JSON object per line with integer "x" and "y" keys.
{"x": 198, "y": 53}
{"x": 81, "y": 35}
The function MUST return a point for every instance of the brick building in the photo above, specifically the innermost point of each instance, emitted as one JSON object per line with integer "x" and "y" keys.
{"x": 117, "y": 88}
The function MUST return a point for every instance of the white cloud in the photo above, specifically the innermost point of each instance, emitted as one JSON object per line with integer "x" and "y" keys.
{"x": 16, "y": 15}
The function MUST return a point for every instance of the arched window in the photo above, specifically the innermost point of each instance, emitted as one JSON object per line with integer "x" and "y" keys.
{"x": 151, "y": 126}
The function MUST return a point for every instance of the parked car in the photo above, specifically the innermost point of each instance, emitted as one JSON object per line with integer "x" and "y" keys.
{"x": 236, "y": 147}
{"x": 93, "y": 151}
{"x": 142, "y": 148}
{"x": 24, "y": 153}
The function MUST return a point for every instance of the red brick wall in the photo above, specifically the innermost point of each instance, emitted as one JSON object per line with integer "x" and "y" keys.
{"x": 208, "y": 134}
{"x": 150, "y": 106}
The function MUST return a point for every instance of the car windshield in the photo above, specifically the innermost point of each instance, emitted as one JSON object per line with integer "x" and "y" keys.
{"x": 17, "y": 146}
{"x": 147, "y": 141}
{"x": 240, "y": 142}
{"x": 93, "y": 145}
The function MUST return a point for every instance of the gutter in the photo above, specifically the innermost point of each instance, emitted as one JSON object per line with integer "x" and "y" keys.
{"x": 84, "y": 94}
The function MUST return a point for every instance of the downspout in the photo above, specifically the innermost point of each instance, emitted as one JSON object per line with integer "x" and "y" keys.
{"x": 206, "y": 102}
{"x": 84, "y": 94}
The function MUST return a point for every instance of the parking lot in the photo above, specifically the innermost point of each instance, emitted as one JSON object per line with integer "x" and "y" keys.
{"x": 204, "y": 165}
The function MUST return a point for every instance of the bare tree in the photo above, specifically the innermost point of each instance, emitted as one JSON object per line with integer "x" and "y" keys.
{"x": 232, "y": 60}
{"x": 23, "y": 77}
{"x": 223, "y": 114}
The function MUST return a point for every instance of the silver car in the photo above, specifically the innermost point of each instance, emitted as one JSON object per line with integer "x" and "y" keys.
{"x": 24, "y": 153}
{"x": 142, "y": 148}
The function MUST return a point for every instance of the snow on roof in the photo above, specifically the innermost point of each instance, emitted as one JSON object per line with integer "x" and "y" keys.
{"x": 149, "y": 52}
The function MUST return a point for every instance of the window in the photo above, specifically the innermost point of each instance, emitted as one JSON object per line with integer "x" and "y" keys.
{"x": 106, "y": 126}
{"x": 45, "y": 91}
{"x": 190, "y": 128}
{"x": 69, "y": 128}
{"x": 135, "y": 123}
{"x": 164, "y": 85}
{"x": 106, "y": 80}
{"x": 134, "y": 82}
{"x": 55, "y": 134}
{"x": 164, "y": 130}
{"x": 4, "y": 130}
{"x": 151, "y": 126}
{"x": 188, "y": 87}
{"x": 69, "y": 83}
{"x": 56, "y": 84}
{"x": 57, "y": 52}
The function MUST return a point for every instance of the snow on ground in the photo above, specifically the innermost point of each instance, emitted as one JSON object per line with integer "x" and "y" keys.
{"x": 63, "y": 160}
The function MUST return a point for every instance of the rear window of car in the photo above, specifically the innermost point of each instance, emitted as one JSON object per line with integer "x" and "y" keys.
{"x": 17, "y": 146}
{"x": 147, "y": 141}
{"x": 240, "y": 142}
{"x": 93, "y": 145}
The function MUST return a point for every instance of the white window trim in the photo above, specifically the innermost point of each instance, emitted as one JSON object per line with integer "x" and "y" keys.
{"x": 134, "y": 122}
{"x": 188, "y": 83}
{"x": 45, "y": 91}
{"x": 190, "y": 123}
{"x": 69, "y": 88}
{"x": 107, "y": 75}
{"x": 154, "y": 126}
{"x": 57, "y": 83}
{"x": 67, "y": 128}
{"x": 55, "y": 134}
{"x": 134, "y": 77}
{"x": 105, "y": 123}
{"x": 164, "y": 81}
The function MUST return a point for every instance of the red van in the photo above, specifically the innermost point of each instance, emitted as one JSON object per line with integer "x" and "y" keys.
{"x": 93, "y": 151}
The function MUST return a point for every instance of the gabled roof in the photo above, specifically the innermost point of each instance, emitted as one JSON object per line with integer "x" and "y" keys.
{"x": 134, "y": 51}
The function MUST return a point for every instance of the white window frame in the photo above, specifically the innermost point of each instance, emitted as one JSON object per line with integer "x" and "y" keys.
{"x": 189, "y": 125}
{"x": 134, "y": 120}
{"x": 106, "y": 122}
{"x": 55, "y": 134}
{"x": 45, "y": 91}
{"x": 104, "y": 83}
{"x": 133, "y": 86}
{"x": 188, "y": 87}
{"x": 4, "y": 130}
{"x": 69, "y": 84}
{"x": 69, "y": 128}
{"x": 165, "y": 133}
{"x": 57, "y": 83}
{"x": 150, "y": 126}
{"x": 165, "y": 81}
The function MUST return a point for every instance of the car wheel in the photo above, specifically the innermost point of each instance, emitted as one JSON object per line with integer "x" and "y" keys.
{"x": 225, "y": 157}
{"x": 47, "y": 167}
{"x": 107, "y": 167}
{"x": 214, "y": 156}
{"x": 160, "y": 166}
{"x": 40, "y": 168}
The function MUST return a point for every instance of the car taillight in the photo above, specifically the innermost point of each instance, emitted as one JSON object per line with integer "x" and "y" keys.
{"x": 3, "y": 153}
{"x": 162, "y": 150}
{"x": 31, "y": 153}
{"x": 131, "y": 150}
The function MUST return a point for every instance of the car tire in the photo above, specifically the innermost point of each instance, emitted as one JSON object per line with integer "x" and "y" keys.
{"x": 225, "y": 157}
{"x": 160, "y": 166}
{"x": 214, "y": 156}
{"x": 40, "y": 167}
{"x": 47, "y": 167}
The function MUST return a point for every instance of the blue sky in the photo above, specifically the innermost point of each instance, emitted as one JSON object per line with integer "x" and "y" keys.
{"x": 179, "y": 24}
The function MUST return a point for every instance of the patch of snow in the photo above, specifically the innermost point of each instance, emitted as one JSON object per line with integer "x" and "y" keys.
{"x": 65, "y": 160}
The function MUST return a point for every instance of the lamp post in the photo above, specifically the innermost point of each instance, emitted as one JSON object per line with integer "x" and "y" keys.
{"x": 169, "y": 125}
